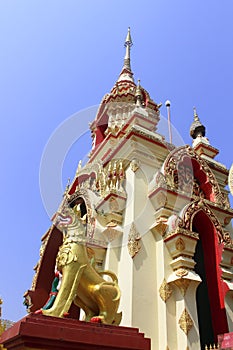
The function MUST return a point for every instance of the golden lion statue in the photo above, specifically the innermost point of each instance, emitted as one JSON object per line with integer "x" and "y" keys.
{"x": 80, "y": 282}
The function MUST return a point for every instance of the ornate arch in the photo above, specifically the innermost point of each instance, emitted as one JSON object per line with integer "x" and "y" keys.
{"x": 201, "y": 171}
{"x": 188, "y": 213}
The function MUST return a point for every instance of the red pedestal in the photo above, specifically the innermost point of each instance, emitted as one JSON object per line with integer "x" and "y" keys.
{"x": 44, "y": 332}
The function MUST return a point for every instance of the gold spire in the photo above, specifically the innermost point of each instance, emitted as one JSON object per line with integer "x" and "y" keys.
{"x": 128, "y": 44}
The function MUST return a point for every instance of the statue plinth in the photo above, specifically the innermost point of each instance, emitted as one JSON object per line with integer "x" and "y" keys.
{"x": 43, "y": 332}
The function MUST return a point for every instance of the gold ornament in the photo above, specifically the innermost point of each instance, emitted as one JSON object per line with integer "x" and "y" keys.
{"x": 165, "y": 291}
{"x": 185, "y": 322}
{"x": 133, "y": 241}
{"x": 181, "y": 272}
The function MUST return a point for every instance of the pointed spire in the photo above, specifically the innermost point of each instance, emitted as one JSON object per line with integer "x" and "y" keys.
{"x": 128, "y": 44}
{"x": 196, "y": 118}
{"x": 126, "y": 73}
{"x": 197, "y": 128}
{"x": 138, "y": 94}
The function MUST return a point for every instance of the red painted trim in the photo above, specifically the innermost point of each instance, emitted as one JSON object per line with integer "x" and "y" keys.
{"x": 212, "y": 259}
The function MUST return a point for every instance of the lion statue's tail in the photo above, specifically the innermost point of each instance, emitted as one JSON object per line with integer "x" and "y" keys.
{"x": 114, "y": 282}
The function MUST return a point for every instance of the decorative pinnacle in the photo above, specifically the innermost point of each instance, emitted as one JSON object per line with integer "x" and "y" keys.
{"x": 128, "y": 44}
{"x": 138, "y": 94}
{"x": 196, "y": 118}
{"x": 197, "y": 128}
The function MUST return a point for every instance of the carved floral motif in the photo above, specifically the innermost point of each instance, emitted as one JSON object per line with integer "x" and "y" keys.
{"x": 133, "y": 241}
{"x": 181, "y": 272}
{"x": 185, "y": 322}
{"x": 165, "y": 291}
{"x": 179, "y": 174}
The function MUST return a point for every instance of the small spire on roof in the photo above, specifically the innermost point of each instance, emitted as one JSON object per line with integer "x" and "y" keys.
{"x": 197, "y": 128}
{"x": 196, "y": 118}
{"x": 138, "y": 94}
{"x": 128, "y": 44}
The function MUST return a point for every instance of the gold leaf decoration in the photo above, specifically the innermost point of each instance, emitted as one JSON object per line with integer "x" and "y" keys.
{"x": 185, "y": 322}
{"x": 165, "y": 291}
{"x": 181, "y": 272}
{"x": 133, "y": 241}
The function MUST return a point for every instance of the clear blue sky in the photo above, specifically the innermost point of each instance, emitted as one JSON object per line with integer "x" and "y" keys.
{"x": 60, "y": 57}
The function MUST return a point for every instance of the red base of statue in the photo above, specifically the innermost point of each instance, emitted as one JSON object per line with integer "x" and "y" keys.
{"x": 44, "y": 332}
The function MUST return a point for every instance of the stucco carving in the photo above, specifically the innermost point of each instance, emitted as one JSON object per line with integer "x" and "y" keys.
{"x": 187, "y": 220}
{"x": 133, "y": 241}
{"x": 185, "y": 322}
{"x": 182, "y": 284}
{"x": 165, "y": 291}
{"x": 179, "y": 174}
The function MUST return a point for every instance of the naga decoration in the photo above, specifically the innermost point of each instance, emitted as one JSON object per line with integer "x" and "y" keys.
{"x": 81, "y": 283}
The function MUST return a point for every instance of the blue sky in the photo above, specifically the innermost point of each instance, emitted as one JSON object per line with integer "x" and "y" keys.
{"x": 58, "y": 58}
